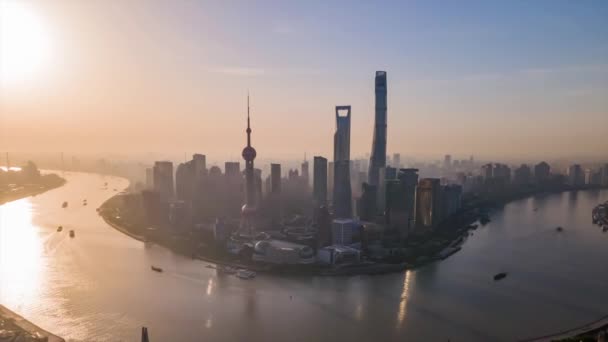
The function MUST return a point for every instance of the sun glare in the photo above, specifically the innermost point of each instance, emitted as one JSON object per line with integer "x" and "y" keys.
{"x": 25, "y": 42}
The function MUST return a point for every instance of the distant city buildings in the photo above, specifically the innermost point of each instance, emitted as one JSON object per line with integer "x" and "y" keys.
{"x": 542, "y": 171}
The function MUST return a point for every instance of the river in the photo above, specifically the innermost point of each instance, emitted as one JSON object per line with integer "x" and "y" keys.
{"x": 99, "y": 286}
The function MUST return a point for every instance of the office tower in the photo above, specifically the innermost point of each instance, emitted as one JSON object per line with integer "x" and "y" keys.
{"x": 487, "y": 171}
{"x": 542, "y": 171}
{"x": 604, "y": 175}
{"x": 401, "y": 202}
{"x": 184, "y": 181}
{"x": 396, "y": 160}
{"x": 319, "y": 181}
{"x": 576, "y": 176}
{"x": 366, "y": 204}
{"x": 275, "y": 178}
{"x": 149, "y": 178}
{"x": 428, "y": 203}
{"x": 381, "y": 192}
{"x": 258, "y": 185}
{"x": 378, "y": 156}
{"x": 447, "y": 162}
{"x": 305, "y": 174}
{"x": 522, "y": 175}
{"x": 390, "y": 173}
{"x": 199, "y": 162}
{"x": 342, "y": 199}
{"x": 451, "y": 196}
{"x": 163, "y": 180}
{"x": 330, "y": 180}
{"x": 232, "y": 170}
{"x": 248, "y": 212}
{"x": 409, "y": 183}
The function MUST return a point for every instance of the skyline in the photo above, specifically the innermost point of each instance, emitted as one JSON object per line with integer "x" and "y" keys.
{"x": 139, "y": 77}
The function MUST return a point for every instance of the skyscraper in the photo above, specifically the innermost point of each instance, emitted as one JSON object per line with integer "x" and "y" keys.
{"x": 428, "y": 203}
{"x": 342, "y": 199}
{"x": 305, "y": 173}
{"x": 576, "y": 176}
{"x": 378, "y": 156}
{"x": 319, "y": 181}
{"x": 249, "y": 209}
{"x": 163, "y": 180}
{"x": 275, "y": 178}
{"x": 401, "y": 202}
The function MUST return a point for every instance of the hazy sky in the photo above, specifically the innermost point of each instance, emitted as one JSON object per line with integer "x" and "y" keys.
{"x": 490, "y": 78}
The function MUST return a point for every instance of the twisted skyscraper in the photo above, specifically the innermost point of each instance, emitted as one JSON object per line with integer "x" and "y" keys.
{"x": 378, "y": 157}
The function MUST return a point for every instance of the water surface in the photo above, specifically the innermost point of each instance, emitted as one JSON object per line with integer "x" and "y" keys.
{"x": 99, "y": 286}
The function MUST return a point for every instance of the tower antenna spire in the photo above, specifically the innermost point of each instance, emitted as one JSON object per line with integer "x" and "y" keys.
{"x": 248, "y": 122}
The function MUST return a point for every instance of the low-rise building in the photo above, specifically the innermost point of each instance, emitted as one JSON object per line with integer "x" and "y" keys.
{"x": 282, "y": 253}
{"x": 338, "y": 255}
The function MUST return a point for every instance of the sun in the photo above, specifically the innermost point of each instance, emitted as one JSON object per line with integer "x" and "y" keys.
{"x": 25, "y": 42}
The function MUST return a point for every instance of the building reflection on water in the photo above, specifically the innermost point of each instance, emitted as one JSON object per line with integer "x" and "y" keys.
{"x": 407, "y": 280}
{"x": 21, "y": 262}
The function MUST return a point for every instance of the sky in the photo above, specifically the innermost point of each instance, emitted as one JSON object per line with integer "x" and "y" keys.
{"x": 497, "y": 79}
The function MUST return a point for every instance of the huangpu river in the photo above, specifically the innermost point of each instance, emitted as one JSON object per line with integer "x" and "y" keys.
{"x": 98, "y": 286}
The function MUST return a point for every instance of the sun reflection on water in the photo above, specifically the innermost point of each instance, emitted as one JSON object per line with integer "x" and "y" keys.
{"x": 21, "y": 262}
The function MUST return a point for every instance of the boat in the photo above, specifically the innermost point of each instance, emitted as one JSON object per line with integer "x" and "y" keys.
{"x": 500, "y": 276}
{"x": 64, "y": 205}
{"x": 156, "y": 269}
{"x": 245, "y": 274}
{"x": 72, "y": 234}
{"x": 59, "y": 229}
{"x": 559, "y": 229}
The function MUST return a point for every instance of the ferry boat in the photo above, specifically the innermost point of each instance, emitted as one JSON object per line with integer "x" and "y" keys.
{"x": 72, "y": 234}
{"x": 156, "y": 269}
{"x": 245, "y": 274}
{"x": 559, "y": 229}
{"x": 59, "y": 229}
{"x": 500, "y": 276}
{"x": 64, "y": 205}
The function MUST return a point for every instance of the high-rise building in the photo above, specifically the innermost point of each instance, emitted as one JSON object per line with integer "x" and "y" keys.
{"x": 275, "y": 178}
{"x": 390, "y": 173}
{"x": 451, "y": 196}
{"x": 522, "y": 175}
{"x": 184, "y": 181}
{"x": 604, "y": 175}
{"x": 366, "y": 204}
{"x": 428, "y": 203}
{"x": 149, "y": 178}
{"x": 330, "y": 180}
{"x": 319, "y": 181}
{"x": 396, "y": 160}
{"x": 305, "y": 173}
{"x": 447, "y": 162}
{"x": 401, "y": 202}
{"x": 248, "y": 212}
{"x": 576, "y": 176}
{"x": 342, "y": 199}
{"x": 378, "y": 156}
{"x": 163, "y": 180}
{"x": 199, "y": 162}
{"x": 542, "y": 171}
{"x": 232, "y": 170}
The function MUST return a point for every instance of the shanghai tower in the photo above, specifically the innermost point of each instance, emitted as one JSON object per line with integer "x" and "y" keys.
{"x": 378, "y": 156}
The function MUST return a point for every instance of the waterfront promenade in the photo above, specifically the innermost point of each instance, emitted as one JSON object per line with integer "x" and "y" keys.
{"x": 17, "y": 328}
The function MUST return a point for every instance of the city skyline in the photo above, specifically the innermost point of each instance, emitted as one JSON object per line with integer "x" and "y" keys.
{"x": 184, "y": 89}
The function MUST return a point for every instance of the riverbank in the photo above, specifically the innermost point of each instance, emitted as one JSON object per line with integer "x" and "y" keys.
{"x": 13, "y": 192}
{"x": 13, "y": 327}
{"x": 587, "y": 332}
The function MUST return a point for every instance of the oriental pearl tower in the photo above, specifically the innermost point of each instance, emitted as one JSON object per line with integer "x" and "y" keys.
{"x": 248, "y": 211}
